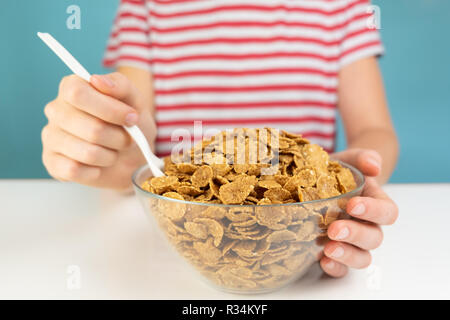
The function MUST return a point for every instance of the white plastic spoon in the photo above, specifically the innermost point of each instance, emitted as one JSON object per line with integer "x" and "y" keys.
{"x": 155, "y": 163}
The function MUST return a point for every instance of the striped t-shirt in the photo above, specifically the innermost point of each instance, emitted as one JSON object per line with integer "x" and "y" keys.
{"x": 243, "y": 63}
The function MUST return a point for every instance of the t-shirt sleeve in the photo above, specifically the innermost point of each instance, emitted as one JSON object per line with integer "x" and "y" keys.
{"x": 129, "y": 41}
{"x": 361, "y": 37}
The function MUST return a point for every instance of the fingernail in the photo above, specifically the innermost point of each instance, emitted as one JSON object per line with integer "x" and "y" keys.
{"x": 107, "y": 81}
{"x": 131, "y": 119}
{"x": 330, "y": 265}
{"x": 342, "y": 234}
{"x": 337, "y": 253}
{"x": 374, "y": 163}
{"x": 359, "y": 209}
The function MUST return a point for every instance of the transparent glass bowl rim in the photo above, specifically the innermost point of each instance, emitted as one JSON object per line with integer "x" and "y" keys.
{"x": 352, "y": 193}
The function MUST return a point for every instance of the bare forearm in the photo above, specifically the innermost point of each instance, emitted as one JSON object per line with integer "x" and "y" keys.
{"x": 383, "y": 141}
{"x": 144, "y": 83}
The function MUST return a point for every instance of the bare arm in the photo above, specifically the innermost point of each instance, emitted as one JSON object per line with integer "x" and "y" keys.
{"x": 365, "y": 114}
{"x": 371, "y": 141}
{"x": 143, "y": 81}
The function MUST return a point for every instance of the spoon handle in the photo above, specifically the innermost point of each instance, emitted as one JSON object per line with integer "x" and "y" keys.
{"x": 154, "y": 162}
{"x": 65, "y": 56}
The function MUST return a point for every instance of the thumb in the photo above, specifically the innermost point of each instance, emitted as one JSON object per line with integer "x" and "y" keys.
{"x": 116, "y": 85}
{"x": 366, "y": 160}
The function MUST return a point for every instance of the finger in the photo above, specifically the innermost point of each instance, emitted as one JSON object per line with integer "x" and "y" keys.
{"x": 362, "y": 235}
{"x": 77, "y": 149}
{"x": 65, "y": 169}
{"x": 347, "y": 254}
{"x": 367, "y": 161}
{"x": 116, "y": 85}
{"x": 83, "y": 96}
{"x": 86, "y": 127}
{"x": 333, "y": 268}
{"x": 375, "y": 206}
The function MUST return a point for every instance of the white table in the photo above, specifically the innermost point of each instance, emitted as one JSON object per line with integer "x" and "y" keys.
{"x": 53, "y": 234}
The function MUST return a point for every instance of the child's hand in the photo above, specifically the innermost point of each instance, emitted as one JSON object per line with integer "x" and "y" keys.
{"x": 351, "y": 240}
{"x": 84, "y": 141}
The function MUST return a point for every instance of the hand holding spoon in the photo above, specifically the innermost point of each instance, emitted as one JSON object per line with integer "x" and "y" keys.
{"x": 155, "y": 164}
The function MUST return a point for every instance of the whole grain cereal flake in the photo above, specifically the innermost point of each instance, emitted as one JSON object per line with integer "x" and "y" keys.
{"x": 214, "y": 228}
{"x": 198, "y": 230}
{"x": 163, "y": 184}
{"x": 172, "y": 210}
{"x": 202, "y": 176}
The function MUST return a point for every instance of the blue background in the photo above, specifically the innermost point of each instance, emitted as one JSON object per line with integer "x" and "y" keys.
{"x": 416, "y": 69}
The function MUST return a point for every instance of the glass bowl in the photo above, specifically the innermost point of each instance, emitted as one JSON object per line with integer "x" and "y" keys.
{"x": 246, "y": 248}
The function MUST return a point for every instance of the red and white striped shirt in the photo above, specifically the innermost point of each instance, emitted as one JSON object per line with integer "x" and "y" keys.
{"x": 243, "y": 63}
